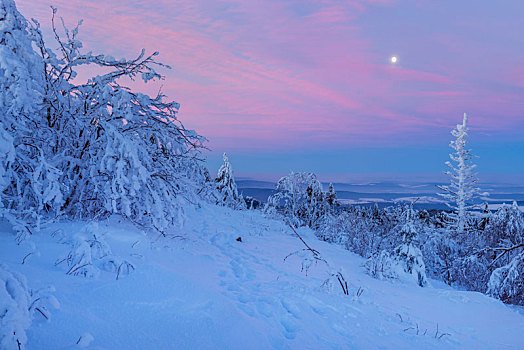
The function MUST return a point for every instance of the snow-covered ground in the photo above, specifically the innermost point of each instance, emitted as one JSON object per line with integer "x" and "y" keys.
{"x": 203, "y": 289}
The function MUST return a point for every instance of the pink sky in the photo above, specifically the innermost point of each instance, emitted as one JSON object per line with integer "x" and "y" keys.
{"x": 259, "y": 76}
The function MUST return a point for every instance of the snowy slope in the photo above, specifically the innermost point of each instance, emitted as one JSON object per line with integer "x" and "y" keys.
{"x": 203, "y": 289}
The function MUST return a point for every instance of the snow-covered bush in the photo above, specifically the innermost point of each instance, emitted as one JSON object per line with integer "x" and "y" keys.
{"x": 19, "y": 305}
{"x": 472, "y": 270}
{"x": 507, "y": 282}
{"x": 15, "y": 317}
{"x": 89, "y": 253}
{"x": 408, "y": 253}
{"x": 505, "y": 227}
{"x": 300, "y": 199}
{"x": 440, "y": 251}
{"x": 490, "y": 248}
{"x": 405, "y": 263}
{"x": 380, "y": 266}
{"x": 226, "y": 187}
{"x": 365, "y": 231}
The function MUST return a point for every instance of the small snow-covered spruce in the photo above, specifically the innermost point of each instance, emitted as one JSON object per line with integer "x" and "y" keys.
{"x": 463, "y": 189}
{"x": 408, "y": 254}
{"x": 331, "y": 197}
{"x": 226, "y": 187}
{"x": 19, "y": 306}
{"x": 405, "y": 262}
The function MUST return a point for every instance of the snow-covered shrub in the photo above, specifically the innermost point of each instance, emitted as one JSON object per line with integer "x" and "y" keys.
{"x": 405, "y": 263}
{"x": 364, "y": 231}
{"x": 505, "y": 227}
{"x": 504, "y": 241}
{"x": 336, "y": 229}
{"x": 489, "y": 248}
{"x": 89, "y": 253}
{"x": 252, "y": 203}
{"x": 380, "y": 265}
{"x": 408, "y": 254}
{"x": 472, "y": 270}
{"x": 440, "y": 251}
{"x": 507, "y": 282}
{"x": 300, "y": 199}
{"x": 79, "y": 259}
{"x": 19, "y": 305}
{"x": 15, "y": 317}
{"x": 226, "y": 187}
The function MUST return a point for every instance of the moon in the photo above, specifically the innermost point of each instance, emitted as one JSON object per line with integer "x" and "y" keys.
{"x": 394, "y": 59}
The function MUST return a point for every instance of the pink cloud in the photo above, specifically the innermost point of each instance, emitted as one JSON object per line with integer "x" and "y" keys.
{"x": 299, "y": 73}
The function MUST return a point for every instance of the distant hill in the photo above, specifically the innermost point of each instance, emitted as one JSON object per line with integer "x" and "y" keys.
{"x": 386, "y": 193}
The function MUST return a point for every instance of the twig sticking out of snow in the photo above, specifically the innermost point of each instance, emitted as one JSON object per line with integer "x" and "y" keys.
{"x": 85, "y": 340}
{"x": 25, "y": 257}
{"x": 437, "y": 336}
{"x": 316, "y": 257}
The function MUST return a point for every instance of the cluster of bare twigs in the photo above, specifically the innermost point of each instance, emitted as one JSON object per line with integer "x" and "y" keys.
{"x": 311, "y": 256}
{"x": 418, "y": 331}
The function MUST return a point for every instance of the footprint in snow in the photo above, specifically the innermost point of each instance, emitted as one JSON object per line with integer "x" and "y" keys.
{"x": 291, "y": 308}
{"x": 290, "y": 325}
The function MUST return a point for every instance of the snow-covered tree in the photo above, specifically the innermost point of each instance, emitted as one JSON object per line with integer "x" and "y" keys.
{"x": 331, "y": 195}
{"x": 30, "y": 177}
{"x": 463, "y": 188}
{"x": 89, "y": 148}
{"x": 227, "y": 188}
